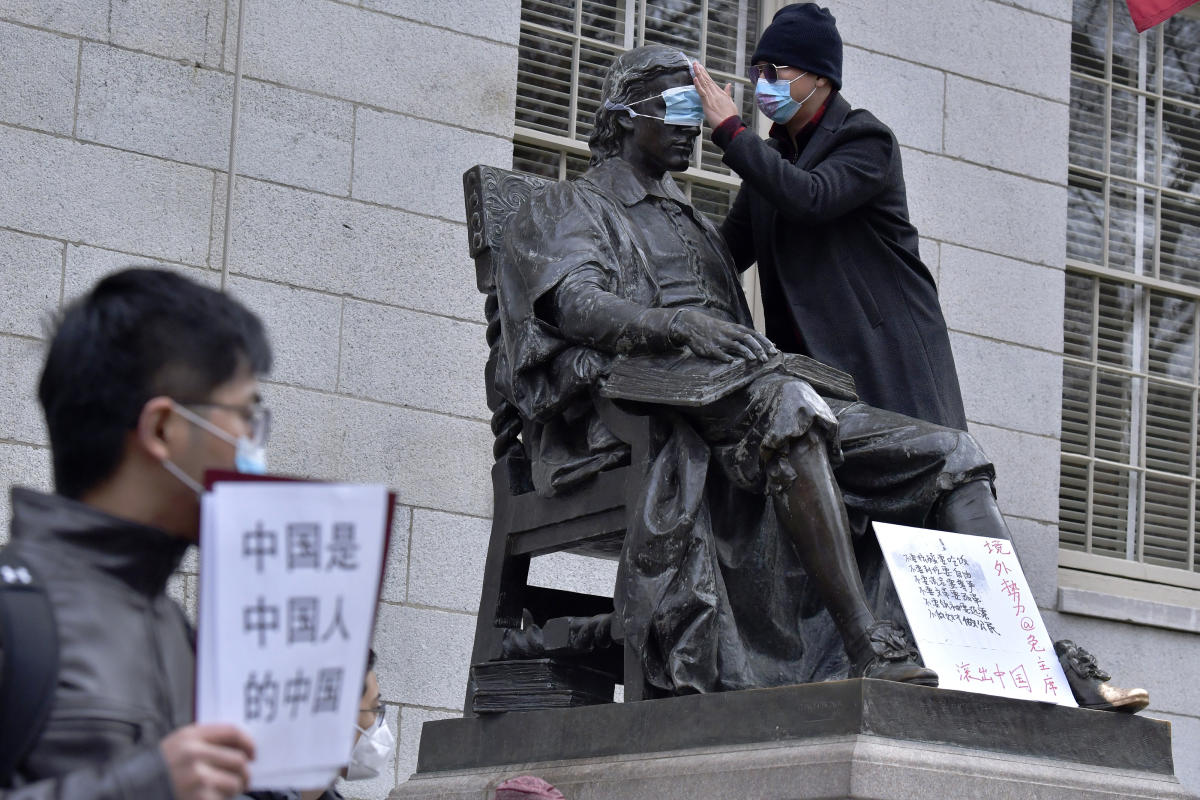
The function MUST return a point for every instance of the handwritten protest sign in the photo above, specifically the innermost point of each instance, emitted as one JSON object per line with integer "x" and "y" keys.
{"x": 289, "y": 578}
{"x": 972, "y": 614}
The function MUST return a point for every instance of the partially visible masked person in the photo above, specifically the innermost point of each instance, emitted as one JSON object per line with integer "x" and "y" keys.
{"x": 373, "y": 744}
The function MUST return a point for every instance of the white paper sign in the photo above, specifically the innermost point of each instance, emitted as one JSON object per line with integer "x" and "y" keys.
{"x": 972, "y": 614}
{"x": 289, "y": 578}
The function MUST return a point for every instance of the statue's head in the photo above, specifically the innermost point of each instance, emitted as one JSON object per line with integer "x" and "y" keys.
{"x": 636, "y": 81}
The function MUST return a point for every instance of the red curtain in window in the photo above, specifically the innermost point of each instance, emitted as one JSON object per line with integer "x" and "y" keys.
{"x": 1148, "y": 13}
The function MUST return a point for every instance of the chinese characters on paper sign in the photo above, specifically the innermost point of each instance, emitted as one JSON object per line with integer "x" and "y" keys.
{"x": 299, "y": 617}
{"x": 972, "y": 614}
{"x": 948, "y": 590}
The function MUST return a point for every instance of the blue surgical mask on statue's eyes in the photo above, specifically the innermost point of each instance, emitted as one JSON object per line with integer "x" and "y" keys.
{"x": 682, "y": 103}
{"x": 775, "y": 99}
{"x": 683, "y": 106}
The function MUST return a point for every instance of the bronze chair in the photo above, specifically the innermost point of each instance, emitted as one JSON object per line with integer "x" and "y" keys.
{"x": 590, "y": 520}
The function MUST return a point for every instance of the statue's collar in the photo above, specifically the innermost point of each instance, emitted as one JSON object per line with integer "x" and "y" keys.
{"x": 615, "y": 177}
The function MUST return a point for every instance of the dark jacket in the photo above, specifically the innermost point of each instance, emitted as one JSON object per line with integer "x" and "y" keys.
{"x": 125, "y": 652}
{"x": 842, "y": 279}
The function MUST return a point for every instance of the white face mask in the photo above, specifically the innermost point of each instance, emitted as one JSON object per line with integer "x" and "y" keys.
{"x": 371, "y": 752}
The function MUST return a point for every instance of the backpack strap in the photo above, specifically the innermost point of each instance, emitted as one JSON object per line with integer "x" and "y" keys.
{"x": 29, "y": 638}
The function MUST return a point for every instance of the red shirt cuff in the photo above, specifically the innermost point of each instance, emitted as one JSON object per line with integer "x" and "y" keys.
{"x": 727, "y": 131}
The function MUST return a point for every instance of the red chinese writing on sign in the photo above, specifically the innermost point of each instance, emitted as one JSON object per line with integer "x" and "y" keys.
{"x": 1017, "y": 675}
{"x": 999, "y": 547}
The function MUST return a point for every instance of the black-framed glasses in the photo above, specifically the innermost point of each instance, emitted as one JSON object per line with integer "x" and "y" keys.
{"x": 768, "y": 71}
{"x": 256, "y": 415}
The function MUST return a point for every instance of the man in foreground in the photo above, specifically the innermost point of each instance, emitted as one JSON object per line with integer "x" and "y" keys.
{"x": 150, "y": 381}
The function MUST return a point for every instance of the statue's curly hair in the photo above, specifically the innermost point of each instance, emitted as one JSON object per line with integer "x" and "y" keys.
{"x": 624, "y": 82}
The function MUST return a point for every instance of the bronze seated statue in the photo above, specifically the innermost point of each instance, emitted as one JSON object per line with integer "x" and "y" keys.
{"x": 744, "y": 556}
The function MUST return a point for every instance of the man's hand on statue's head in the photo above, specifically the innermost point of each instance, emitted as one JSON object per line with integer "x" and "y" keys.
{"x": 711, "y": 337}
{"x": 717, "y": 102}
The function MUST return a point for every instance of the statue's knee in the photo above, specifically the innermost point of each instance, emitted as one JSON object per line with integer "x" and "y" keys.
{"x": 967, "y": 455}
{"x": 811, "y": 447}
{"x": 977, "y": 492}
{"x": 971, "y": 508}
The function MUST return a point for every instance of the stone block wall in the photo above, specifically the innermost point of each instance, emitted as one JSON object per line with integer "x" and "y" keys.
{"x": 356, "y": 123}
{"x": 978, "y": 98}
{"x": 357, "y": 119}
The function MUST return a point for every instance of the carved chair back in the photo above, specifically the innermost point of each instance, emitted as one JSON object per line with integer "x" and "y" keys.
{"x": 492, "y": 196}
{"x": 591, "y": 520}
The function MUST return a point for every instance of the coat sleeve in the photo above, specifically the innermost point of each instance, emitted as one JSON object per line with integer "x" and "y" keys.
{"x": 140, "y": 775}
{"x": 587, "y": 313}
{"x": 738, "y": 232}
{"x": 850, "y": 175}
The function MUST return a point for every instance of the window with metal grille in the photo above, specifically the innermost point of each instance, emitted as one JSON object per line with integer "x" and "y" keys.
{"x": 1131, "y": 374}
{"x": 567, "y": 45}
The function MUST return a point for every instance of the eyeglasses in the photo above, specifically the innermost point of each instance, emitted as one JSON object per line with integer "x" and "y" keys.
{"x": 256, "y": 415}
{"x": 769, "y": 71}
{"x": 378, "y": 711}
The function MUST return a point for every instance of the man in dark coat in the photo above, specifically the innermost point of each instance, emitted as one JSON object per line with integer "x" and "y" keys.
{"x": 823, "y": 211}
{"x": 149, "y": 381}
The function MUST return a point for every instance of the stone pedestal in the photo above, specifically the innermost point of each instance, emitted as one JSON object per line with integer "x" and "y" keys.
{"x": 845, "y": 739}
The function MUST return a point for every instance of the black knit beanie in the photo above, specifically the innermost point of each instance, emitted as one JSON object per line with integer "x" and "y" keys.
{"x": 805, "y": 36}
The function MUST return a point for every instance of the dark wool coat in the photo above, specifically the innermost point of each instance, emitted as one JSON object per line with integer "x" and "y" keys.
{"x": 842, "y": 279}
{"x": 126, "y": 660}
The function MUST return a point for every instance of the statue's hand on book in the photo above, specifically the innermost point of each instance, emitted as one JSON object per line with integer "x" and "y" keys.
{"x": 711, "y": 337}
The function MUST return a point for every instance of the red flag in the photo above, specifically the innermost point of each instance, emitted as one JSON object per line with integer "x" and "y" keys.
{"x": 1148, "y": 13}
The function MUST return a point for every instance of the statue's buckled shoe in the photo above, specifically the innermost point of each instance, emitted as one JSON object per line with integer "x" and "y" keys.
{"x": 1090, "y": 684}
{"x": 892, "y": 657}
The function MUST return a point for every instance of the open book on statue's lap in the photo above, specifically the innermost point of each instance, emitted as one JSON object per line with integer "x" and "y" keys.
{"x": 684, "y": 379}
